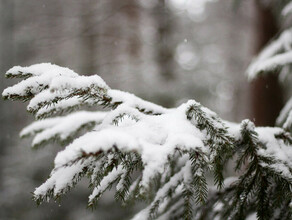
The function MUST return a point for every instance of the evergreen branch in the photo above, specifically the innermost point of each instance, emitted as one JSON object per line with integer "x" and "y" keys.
{"x": 130, "y": 161}
{"x": 257, "y": 180}
{"x": 188, "y": 196}
{"x": 62, "y": 129}
{"x": 274, "y": 56}
{"x": 106, "y": 183}
{"x": 52, "y": 89}
{"x": 170, "y": 149}
{"x": 218, "y": 139}
{"x": 56, "y": 186}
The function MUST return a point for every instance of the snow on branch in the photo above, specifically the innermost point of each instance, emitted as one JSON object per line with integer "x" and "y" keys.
{"x": 287, "y": 9}
{"x": 268, "y": 167}
{"x": 276, "y": 55}
{"x": 285, "y": 117}
{"x": 217, "y": 137}
{"x": 52, "y": 89}
{"x": 38, "y": 78}
{"x": 61, "y": 181}
{"x": 61, "y": 129}
{"x": 187, "y": 138}
{"x": 37, "y": 70}
{"x": 136, "y": 102}
{"x": 170, "y": 149}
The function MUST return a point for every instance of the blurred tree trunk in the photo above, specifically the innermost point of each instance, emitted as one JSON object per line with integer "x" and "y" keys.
{"x": 132, "y": 16}
{"x": 88, "y": 38}
{"x": 266, "y": 92}
{"x": 165, "y": 49}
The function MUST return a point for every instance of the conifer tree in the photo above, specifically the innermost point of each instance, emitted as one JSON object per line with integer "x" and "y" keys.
{"x": 159, "y": 155}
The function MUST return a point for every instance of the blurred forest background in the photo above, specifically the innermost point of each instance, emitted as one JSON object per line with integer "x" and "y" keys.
{"x": 166, "y": 51}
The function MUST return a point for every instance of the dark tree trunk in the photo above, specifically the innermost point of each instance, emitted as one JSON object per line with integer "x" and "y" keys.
{"x": 266, "y": 93}
{"x": 164, "y": 48}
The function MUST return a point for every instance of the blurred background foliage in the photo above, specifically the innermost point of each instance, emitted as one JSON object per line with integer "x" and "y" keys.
{"x": 166, "y": 51}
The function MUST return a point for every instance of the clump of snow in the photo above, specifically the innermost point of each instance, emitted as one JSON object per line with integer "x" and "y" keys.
{"x": 139, "y": 126}
{"x": 270, "y": 64}
{"x": 111, "y": 177}
{"x": 154, "y": 137}
{"x": 248, "y": 125}
{"x": 276, "y": 54}
{"x": 39, "y": 69}
{"x": 60, "y": 179}
{"x": 287, "y": 9}
{"x": 119, "y": 114}
{"x": 276, "y": 149}
{"x": 135, "y": 102}
{"x": 61, "y": 127}
{"x": 233, "y": 129}
{"x": 284, "y": 113}
{"x": 38, "y": 126}
{"x": 288, "y": 121}
{"x": 41, "y": 77}
{"x": 173, "y": 182}
{"x": 80, "y": 82}
{"x": 218, "y": 206}
{"x": 95, "y": 141}
{"x": 62, "y": 105}
{"x": 32, "y": 85}
{"x": 45, "y": 96}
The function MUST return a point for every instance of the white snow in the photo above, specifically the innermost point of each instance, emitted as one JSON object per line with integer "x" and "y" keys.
{"x": 276, "y": 54}
{"x": 233, "y": 129}
{"x": 171, "y": 184}
{"x": 80, "y": 82}
{"x": 96, "y": 141}
{"x": 45, "y": 96}
{"x": 287, "y": 9}
{"x": 31, "y": 85}
{"x": 271, "y": 63}
{"x": 112, "y": 176}
{"x": 38, "y": 126}
{"x": 155, "y": 137}
{"x": 135, "y": 125}
{"x": 60, "y": 179}
{"x": 39, "y": 69}
{"x": 276, "y": 149}
{"x": 62, "y": 105}
{"x": 62, "y": 127}
{"x": 175, "y": 184}
{"x": 122, "y": 110}
{"x": 42, "y": 75}
{"x": 288, "y": 122}
{"x": 133, "y": 101}
{"x": 284, "y": 113}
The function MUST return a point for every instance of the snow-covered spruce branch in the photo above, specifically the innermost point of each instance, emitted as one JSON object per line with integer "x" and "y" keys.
{"x": 62, "y": 129}
{"x": 218, "y": 139}
{"x": 52, "y": 89}
{"x": 275, "y": 56}
{"x": 155, "y": 154}
{"x": 263, "y": 175}
{"x": 264, "y": 181}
